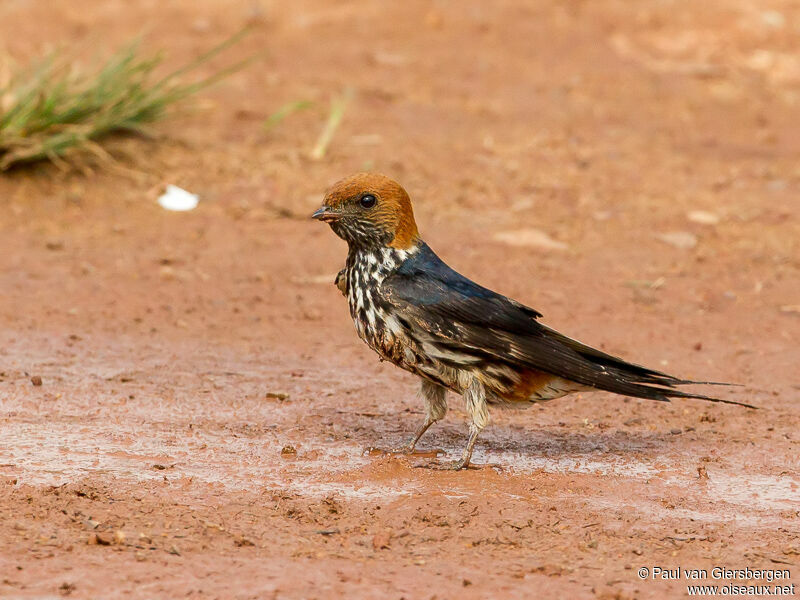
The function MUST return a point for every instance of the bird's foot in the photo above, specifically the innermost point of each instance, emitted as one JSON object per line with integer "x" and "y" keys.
{"x": 409, "y": 448}
{"x": 406, "y": 450}
{"x": 375, "y": 451}
{"x": 457, "y": 465}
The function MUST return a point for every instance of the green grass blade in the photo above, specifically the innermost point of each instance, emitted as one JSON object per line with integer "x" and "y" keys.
{"x": 55, "y": 110}
{"x": 284, "y": 111}
{"x": 338, "y": 108}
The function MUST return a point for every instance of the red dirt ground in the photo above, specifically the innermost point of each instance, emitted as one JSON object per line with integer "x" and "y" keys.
{"x": 159, "y": 337}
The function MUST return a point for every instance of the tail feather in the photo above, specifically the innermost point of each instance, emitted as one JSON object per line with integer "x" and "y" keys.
{"x": 666, "y": 394}
{"x": 632, "y": 383}
{"x": 630, "y": 379}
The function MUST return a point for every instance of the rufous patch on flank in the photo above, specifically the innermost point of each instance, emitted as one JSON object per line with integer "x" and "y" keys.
{"x": 529, "y": 384}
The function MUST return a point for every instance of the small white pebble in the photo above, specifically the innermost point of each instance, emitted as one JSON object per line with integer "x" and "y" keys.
{"x": 703, "y": 217}
{"x": 529, "y": 237}
{"x": 773, "y": 18}
{"x": 680, "y": 239}
{"x": 176, "y": 198}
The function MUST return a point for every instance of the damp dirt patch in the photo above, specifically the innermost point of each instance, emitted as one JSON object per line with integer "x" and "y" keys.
{"x": 186, "y": 411}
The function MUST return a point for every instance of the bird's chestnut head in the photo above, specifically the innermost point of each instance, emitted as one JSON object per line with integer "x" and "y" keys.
{"x": 369, "y": 210}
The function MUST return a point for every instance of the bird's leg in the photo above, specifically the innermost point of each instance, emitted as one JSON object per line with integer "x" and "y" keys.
{"x": 433, "y": 395}
{"x": 475, "y": 402}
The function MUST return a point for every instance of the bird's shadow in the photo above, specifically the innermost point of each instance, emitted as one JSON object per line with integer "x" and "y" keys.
{"x": 386, "y": 433}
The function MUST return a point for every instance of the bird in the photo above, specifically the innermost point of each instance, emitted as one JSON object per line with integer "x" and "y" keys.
{"x": 418, "y": 313}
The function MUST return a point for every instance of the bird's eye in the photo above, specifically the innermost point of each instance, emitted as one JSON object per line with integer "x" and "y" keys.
{"x": 367, "y": 201}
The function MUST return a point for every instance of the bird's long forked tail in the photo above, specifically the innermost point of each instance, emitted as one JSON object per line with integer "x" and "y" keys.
{"x": 665, "y": 394}
{"x": 634, "y": 380}
{"x": 655, "y": 385}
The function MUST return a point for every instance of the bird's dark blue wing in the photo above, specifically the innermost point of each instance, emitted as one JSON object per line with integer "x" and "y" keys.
{"x": 426, "y": 280}
{"x": 458, "y": 315}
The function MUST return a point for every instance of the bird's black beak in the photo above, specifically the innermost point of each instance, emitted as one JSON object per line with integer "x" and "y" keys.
{"x": 326, "y": 214}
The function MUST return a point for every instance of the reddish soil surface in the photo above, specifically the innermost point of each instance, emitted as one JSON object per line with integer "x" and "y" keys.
{"x": 153, "y": 460}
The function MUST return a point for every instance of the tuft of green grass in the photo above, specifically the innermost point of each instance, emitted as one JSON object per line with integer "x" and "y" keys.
{"x": 53, "y": 111}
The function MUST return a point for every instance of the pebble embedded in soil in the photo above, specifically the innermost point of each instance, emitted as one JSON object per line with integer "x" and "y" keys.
{"x": 381, "y": 540}
{"x": 530, "y": 238}
{"x": 101, "y": 539}
{"x": 684, "y": 240}
{"x": 702, "y": 217}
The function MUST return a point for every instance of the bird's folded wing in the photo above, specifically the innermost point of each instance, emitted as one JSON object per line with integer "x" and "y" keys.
{"x": 459, "y": 316}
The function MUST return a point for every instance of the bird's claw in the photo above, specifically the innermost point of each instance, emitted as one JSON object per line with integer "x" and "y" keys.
{"x": 374, "y": 451}
{"x": 404, "y": 449}
{"x": 409, "y": 450}
{"x": 457, "y": 465}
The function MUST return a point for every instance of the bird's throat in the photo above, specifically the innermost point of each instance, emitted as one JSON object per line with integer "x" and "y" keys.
{"x": 371, "y": 265}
